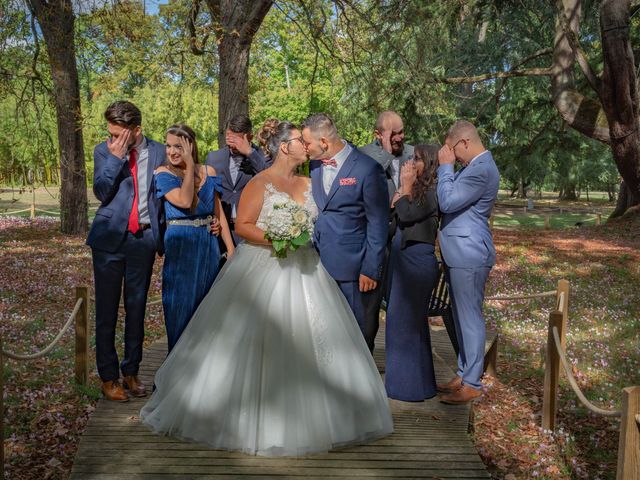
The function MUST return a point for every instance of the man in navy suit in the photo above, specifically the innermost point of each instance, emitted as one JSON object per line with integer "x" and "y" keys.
{"x": 350, "y": 190}
{"x": 236, "y": 164}
{"x": 124, "y": 238}
{"x": 466, "y": 200}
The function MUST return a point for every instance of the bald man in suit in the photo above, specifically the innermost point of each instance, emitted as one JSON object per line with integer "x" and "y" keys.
{"x": 466, "y": 199}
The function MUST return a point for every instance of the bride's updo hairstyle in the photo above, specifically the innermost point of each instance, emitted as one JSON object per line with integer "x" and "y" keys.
{"x": 277, "y": 136}
{"x": 266, "y": 131}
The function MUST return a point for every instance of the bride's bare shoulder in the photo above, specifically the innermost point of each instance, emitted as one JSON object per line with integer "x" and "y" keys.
{"x": 257, "y": 184}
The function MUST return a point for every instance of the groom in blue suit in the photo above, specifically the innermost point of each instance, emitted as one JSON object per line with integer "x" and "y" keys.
{"x": 466, "y": 199}
{"x": 125, "y": 236}
{"x": 350, "y": 190}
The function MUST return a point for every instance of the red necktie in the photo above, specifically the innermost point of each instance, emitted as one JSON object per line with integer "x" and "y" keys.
{"x": 329, "y": 162}
{"x": 134, "y": 223}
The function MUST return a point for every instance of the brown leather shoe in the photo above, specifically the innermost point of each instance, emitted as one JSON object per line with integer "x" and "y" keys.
{"x": 135, "y": 386}
{"x": 114, "y": 392}
{"x": 451, "y": 386}
{"x": 463, "y": 395}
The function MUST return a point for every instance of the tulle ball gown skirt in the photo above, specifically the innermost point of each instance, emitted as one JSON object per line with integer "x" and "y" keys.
{"x": 272, "y": 363}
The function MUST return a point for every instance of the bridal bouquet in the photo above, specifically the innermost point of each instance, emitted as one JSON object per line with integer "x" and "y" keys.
{"x": 289, "y": 226}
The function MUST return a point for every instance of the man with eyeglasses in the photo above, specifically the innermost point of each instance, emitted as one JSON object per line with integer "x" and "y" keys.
{"x": 466, "y": 199}
{"x": 236, "y": 164}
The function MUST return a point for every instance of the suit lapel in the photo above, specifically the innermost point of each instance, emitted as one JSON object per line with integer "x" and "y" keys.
{"x": 317, "y": 190}
{"x": 342, "y": 173}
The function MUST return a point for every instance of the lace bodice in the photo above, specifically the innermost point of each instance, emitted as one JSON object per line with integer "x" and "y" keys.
{"x": 272, "y": 197}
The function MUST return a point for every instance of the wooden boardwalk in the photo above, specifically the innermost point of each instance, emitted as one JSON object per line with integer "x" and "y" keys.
{"x": 430, "y": 441}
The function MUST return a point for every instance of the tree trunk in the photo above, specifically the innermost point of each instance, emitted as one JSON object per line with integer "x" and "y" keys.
{"x": 568, "y": 192}
{"x": 239, "y": 21}
{"x": 581, "y": 113}
{"x": 614, "y": 120}
{"x": 620, "y": 98}
{"x": 625, "y": 201}
{"x": 56, "y": 20}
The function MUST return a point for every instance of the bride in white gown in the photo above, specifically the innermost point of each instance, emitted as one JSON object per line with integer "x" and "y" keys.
{"x": 273, "y": 361}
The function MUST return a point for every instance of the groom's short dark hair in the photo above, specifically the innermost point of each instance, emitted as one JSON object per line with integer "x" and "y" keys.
{"x": 321, "y": 123}
{"x": 240, "y": 123}
{"x": 123, "y": 113}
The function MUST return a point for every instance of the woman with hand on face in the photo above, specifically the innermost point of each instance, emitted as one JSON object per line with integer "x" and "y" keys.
{"x": 192, "y": 253}
{"x": 414, "y": 271}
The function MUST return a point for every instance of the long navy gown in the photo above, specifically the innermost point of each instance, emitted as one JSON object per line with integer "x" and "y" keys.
{"x": 409, "y": 374}
{"x": 191, "y": 258}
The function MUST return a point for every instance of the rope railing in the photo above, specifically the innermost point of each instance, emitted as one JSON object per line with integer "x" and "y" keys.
{"x": 15, "y": 211}
{"x": 574, "y": 383}
{"x": 47, "y": 211}
{"x": 48, "y": 348}
{"x": 629, "y": 438}
{"x": 502, "y": 298}
{"x": 79, "y": 315}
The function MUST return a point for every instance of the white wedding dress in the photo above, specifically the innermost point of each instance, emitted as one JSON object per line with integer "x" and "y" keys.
{"x": 272, "y": 362}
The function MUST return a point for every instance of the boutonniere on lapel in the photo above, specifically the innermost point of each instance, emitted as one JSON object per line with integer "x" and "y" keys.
{"x": 345, "y": 182}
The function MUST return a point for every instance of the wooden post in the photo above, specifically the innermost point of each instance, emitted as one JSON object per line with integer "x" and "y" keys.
{"x": 82, "y": 336}
{"x": 563, "y": 293}
{"x": 598, "y": 218}
{"x": 491, "y": 358}
{"x": 547, "y": 221}
{"x": 524, "y": 209}
{"x": 551, "y": 374}
{"x": 1, "y": 412}
{"x": 491, "y": 222}
{"x": 629, "y": 444}
{"x": 33, "y": 210}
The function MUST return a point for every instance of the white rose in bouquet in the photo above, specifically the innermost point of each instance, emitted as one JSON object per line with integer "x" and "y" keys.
{"x": 289, "y": 226}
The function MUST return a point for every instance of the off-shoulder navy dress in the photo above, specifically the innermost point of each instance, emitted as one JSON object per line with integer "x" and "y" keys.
{"x": 191, "y": 258}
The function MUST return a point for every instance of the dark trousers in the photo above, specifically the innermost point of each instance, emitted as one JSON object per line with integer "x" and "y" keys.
{"x": 362, "y": 305}
{"x": 133, "y": 263}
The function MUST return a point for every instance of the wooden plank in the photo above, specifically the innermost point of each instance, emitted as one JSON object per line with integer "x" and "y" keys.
{"x": 155, "y": 476}
{"x": 430, "y": 441}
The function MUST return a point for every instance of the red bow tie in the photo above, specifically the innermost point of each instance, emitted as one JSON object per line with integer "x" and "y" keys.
{"x": 329, "y": 161}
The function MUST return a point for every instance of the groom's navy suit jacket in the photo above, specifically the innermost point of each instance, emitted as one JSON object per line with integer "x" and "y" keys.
{"x": 352, "y": 226}
{"x": 113, "y": 186}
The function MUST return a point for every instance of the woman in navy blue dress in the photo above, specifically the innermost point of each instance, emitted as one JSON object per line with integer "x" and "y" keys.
{"x": 409, "y": 372}
{"x": 192, "y": 253}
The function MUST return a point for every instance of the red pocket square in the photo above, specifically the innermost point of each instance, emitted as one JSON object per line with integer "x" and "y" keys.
{"x": 347, "y": 181}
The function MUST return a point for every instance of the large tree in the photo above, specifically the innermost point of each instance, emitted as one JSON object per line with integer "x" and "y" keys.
{"x": 56, "y": 20}
{"x": 613, "y": 117}
{"x": 235, "y": 24}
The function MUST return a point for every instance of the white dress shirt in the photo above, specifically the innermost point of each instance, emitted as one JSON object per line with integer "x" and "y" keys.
{"x": 395, "y": 174}
{"x": 234, "y": 166}
{"x": 329, "y": 172}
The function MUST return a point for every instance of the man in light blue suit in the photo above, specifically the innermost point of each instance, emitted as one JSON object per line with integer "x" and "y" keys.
{"x": 466, "y": 199}
{"x": 350, "y": 190}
